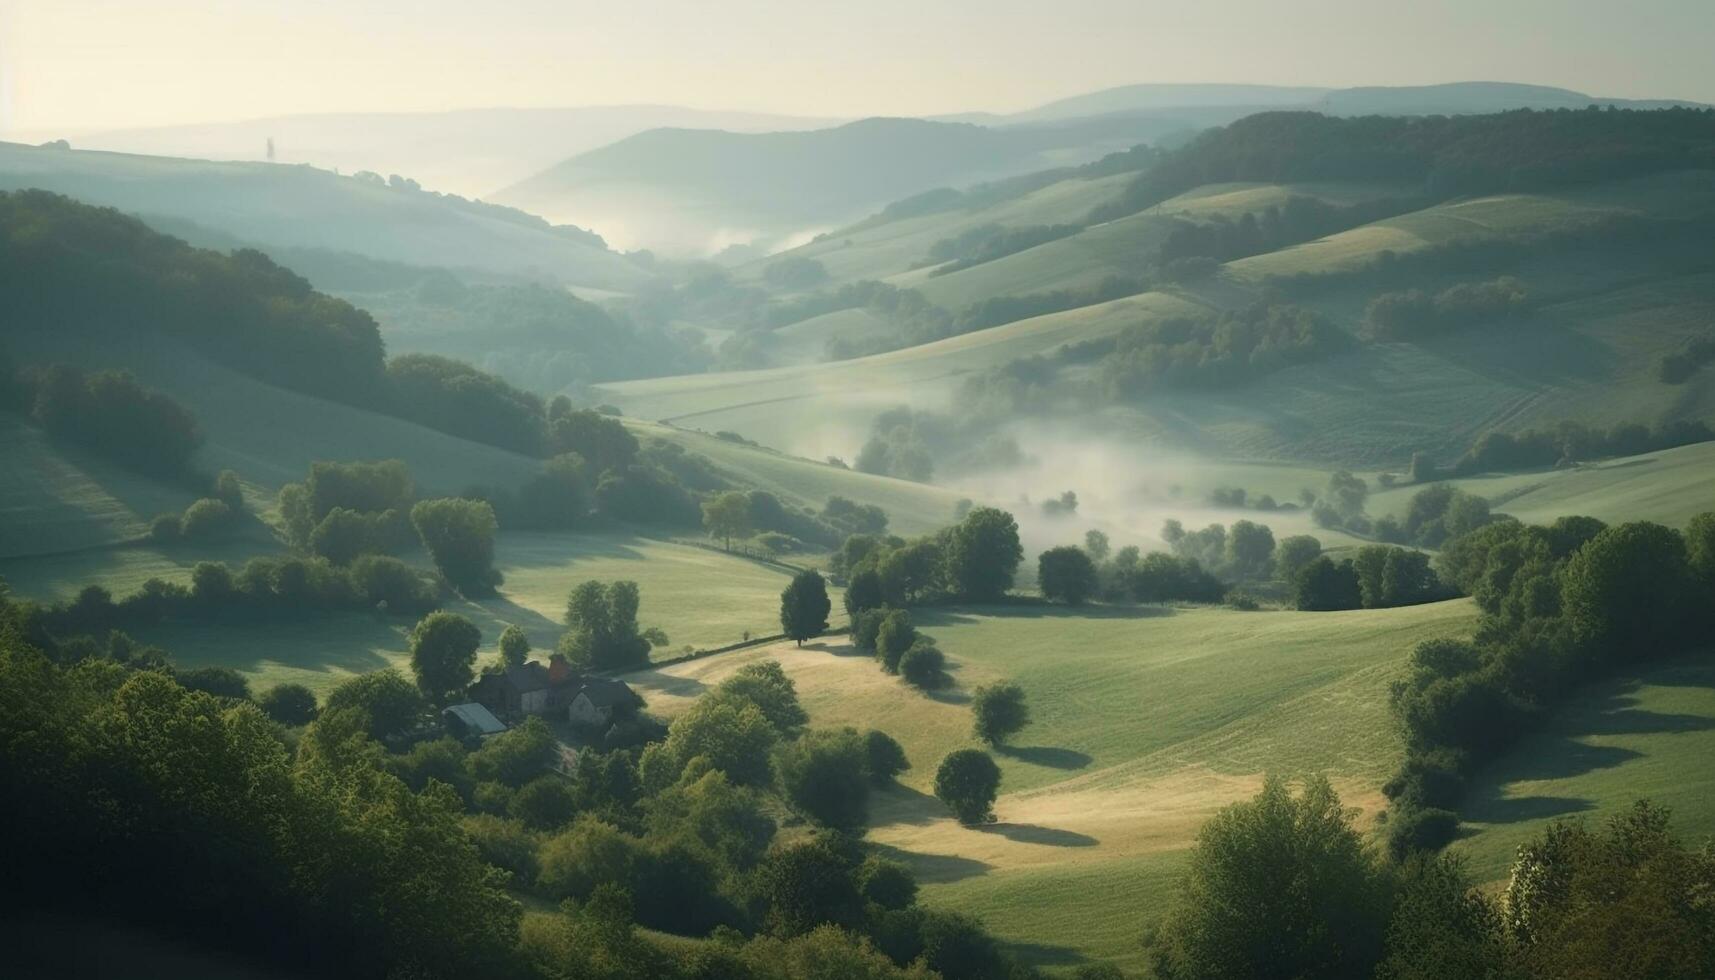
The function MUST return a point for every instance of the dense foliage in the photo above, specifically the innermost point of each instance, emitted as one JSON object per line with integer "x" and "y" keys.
{"x": 109, "y": 413}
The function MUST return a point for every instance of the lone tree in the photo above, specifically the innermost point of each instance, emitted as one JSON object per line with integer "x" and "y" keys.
{"x": 1066, "y": 574}
{"x": 514, "y": 647}
{"x": 983, "y": 553}
{"x": 443, "y": 651}
{"x": 998, "y": 712}
{"x": 968, "y": 782}
{"x": 804, "y": 606}
{"x": 460, "y": 537}
{"x": 727, "y": 516}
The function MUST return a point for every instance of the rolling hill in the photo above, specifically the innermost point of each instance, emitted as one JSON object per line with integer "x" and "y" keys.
{"x": 1145, "y": 721}
{"x": 699, "y": 191}
{"x": 302, "y": 207}
{"x": 464, "y": 151}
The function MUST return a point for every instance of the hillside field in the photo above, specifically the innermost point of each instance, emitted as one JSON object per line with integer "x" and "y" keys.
{"x": 1646, "y": 736}
{"x": 732, "y": 596}
{"x": 1146, "y": 720}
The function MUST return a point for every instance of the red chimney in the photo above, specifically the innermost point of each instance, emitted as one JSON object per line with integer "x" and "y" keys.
{"x": 559, "y": 671}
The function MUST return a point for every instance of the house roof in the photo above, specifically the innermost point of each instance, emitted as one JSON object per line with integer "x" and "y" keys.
{"x": 476, "y": 718}
{"x": 606, "y": 693}
{"x": 527, "y": 677}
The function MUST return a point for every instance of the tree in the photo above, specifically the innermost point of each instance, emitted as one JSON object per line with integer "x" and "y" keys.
{"x": 222, "y": 682}
{"x": 204, "y": 519}
{"x": 968, "y": 781}
{"x": 982, "y": 554}
{"x": 1096, "y": 543}
{"x": 727, "y": 516}
{"x": 602, "y": 631}
{"x": 460, "y": 537}
{"x": 514, "y": 646}
{"x": 1625, "y": 592}
{"x": 289, "y": 704}
{"x": 544, "y": 803}
{"x": 731, "y": 734}
{"x": 893, "y": 638}
{"x": 1278, "y": 887}
{"x": 886, "y": 758}
{"x": 1066, "y": 574}
{"x": 808, "y": 884}
{"x": 864, "y": 593}
{"x": 765, "y": 685}
{"x": 924, "y": 665}
{"x": 443, "y": 652}
{"x": 1292, "y": 554}
{"x": 1442, "y": 926}
{"x": 389, "y": 701}
{"x": 998, "y": 712}
{"x": 1250, "y": 549}
{"x": 1323, "y": 585}
{"x": 804, "y": 606}
{"x": 825, "y": 773}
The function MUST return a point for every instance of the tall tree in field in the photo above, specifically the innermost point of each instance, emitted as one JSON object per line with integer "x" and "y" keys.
{"x": 727, "y": 516}
{"x": 804, "y": 606}
{"x": 602, "y": 631}
{"x": 514, "y": 647}
{"x": 443, "y": 651}
{"x": 968, "y": 782}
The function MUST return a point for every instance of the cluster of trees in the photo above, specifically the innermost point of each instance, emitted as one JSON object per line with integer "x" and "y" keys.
{"x": 899, "y": 648}
{"x": 107, "y": 412}
{"x": 1679, "y": 366}
{"x": 1243, "y": 552}
{"x": 1238, "y": 498}
{"x": 1377, "y": 576}
{"x": 601, "y": 628}
{"x": 1414, "y": 314}
{"x": 987, "y": 242}
{"x": 67, "y": 265}
{"x": 794, "y": 272}
{"x": 1435, "y": 515}
{"x": 914, "y": 444}
{"x": 1566, "y": 443}
{"x": 780, "y": 527}
{"x": 264, "y": 588}
{"x": 1560, "y": 605}
{"x": 1231, "y": 349}
{"x": 1445, "y": 155}
{"x": 974, "y": 560}
{"x": 206, "y": 517}
{"x": 1283, "y": 886}
{"x": 241, "y": 816}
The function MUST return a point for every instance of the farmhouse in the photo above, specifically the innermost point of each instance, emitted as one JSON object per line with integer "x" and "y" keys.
{"x": 554, "y": 688}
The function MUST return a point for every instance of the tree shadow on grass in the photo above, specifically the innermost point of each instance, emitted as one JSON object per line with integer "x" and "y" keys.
{"x": 1043, "y": 755}
{"x": 899, "y": 805}
{"x": 1501, "y": 810}
{"x": 1026, "y": 833}
{"x": 936, "y": 868}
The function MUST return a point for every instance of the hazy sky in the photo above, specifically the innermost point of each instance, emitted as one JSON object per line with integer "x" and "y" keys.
{"x": 79, "y": 64}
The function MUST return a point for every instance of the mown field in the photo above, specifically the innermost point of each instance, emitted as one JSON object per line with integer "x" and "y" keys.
{"x": 1146, "y": 721}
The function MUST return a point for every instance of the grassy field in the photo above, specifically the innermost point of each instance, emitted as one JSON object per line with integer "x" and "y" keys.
{"x": 700, "y": 597}
{"x": 1649, "y": 736}
{"x": 1668, "y": 487}
{"x": 1146, "y": 721}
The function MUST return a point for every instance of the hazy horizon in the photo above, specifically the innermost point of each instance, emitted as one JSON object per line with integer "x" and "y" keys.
{"x": 182, "y": 63}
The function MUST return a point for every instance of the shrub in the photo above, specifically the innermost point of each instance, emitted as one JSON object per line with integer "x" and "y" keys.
{"x": 544, "y": 803}
{"x": 222, "y": 682}
{"x": 924, "y": 665}
{"x": 886, "y": 757}
{"x": 205, "y": 519}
